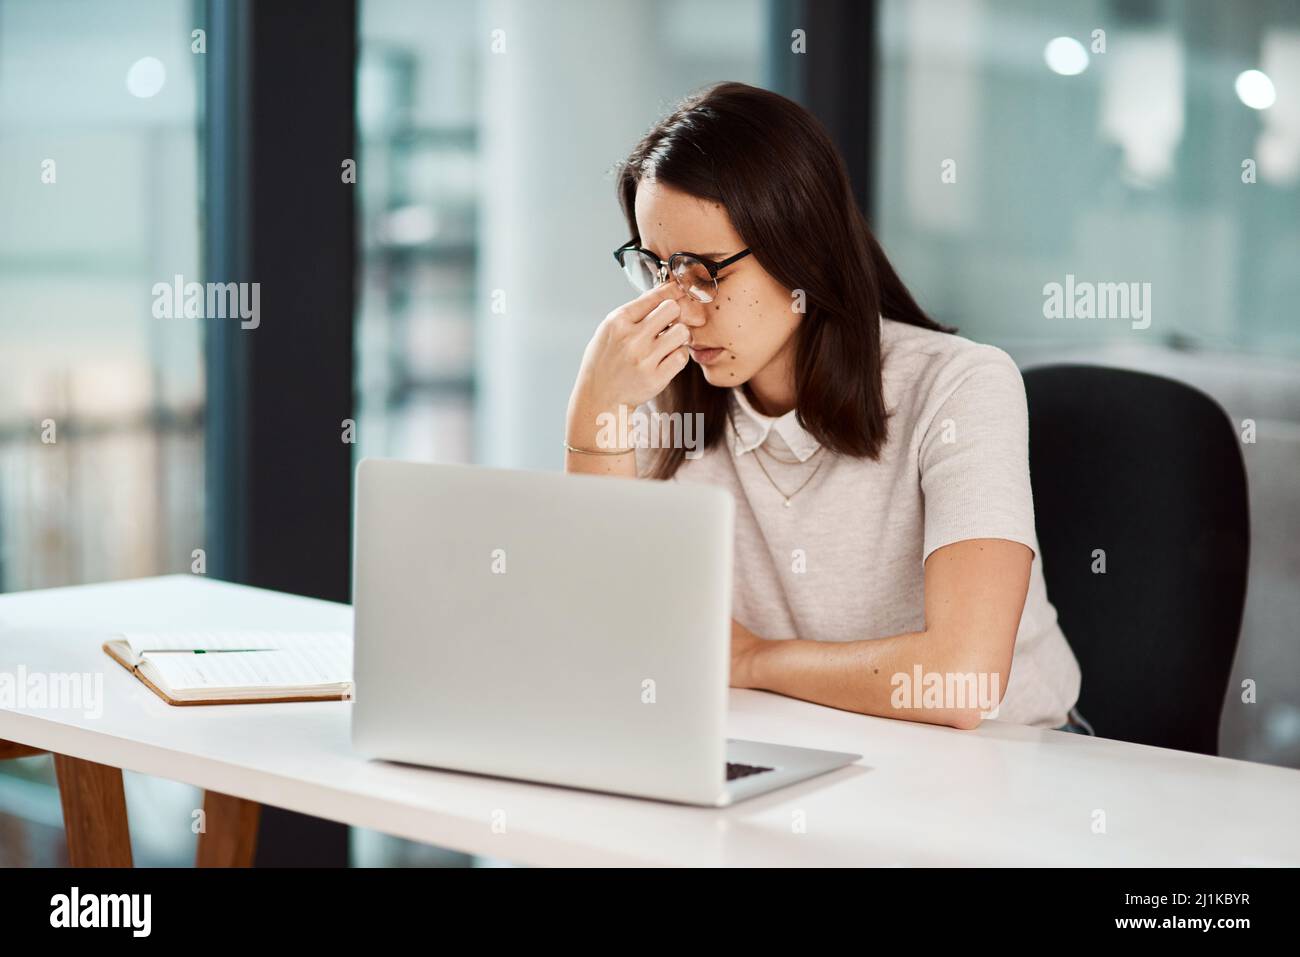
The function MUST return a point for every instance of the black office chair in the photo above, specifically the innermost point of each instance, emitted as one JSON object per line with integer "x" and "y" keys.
{"x": 1149, "y": 470}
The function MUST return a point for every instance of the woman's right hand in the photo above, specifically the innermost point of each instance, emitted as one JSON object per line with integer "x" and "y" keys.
{"x": 634, "y": 354}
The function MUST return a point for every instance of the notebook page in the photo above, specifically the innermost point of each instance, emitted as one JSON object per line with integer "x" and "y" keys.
{"x": 330, "y": 663}
{"x": 229, "y": 640}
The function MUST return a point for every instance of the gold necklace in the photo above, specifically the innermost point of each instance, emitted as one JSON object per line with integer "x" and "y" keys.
{"x": 771, "y": 482}
{"x": 776, "y": 458}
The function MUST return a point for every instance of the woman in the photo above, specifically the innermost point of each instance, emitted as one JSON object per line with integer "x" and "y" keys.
{"x": 885, "y": 555}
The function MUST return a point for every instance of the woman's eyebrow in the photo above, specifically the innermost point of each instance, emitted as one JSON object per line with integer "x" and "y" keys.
{"x": 714, "y": 256}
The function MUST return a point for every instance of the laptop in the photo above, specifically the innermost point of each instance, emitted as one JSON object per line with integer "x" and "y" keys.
{"x": 572, "y": 630}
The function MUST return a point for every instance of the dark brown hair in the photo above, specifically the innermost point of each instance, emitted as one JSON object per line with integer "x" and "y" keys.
{"x": 773, "y": 167}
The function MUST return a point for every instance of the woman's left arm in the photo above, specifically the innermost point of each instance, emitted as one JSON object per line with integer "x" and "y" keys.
{"x": 974, "y": 593}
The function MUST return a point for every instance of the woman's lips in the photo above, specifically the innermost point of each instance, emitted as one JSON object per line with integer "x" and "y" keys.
{"x": 706, "y": 356}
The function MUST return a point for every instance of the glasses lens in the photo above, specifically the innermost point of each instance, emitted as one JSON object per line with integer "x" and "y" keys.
{"x": 694, "y": 278}
{"x": 641, "y": 271}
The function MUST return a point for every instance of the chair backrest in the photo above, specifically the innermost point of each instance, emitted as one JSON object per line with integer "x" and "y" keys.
{"x": 1146, "y": 475}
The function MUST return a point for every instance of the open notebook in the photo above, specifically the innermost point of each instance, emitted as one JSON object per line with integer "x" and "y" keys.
{"x": 238, "y": 667}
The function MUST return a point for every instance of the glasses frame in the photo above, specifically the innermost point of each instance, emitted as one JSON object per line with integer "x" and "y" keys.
{"x": 666, "y": 265}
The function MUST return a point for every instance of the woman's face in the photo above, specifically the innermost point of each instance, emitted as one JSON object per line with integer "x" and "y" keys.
{"x": 751, "y": 322}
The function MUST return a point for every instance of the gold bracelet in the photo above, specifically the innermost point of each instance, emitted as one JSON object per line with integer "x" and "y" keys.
{"x": 574, "y": 448}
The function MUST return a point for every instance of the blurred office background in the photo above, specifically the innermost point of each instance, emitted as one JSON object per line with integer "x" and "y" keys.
{"x": 483, "y": 215}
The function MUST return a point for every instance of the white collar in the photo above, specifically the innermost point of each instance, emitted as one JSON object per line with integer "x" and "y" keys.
{"x": 752, "y": 428}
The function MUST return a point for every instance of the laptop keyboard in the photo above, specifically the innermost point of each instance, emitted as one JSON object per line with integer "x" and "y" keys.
{"x": 735, "y": 771}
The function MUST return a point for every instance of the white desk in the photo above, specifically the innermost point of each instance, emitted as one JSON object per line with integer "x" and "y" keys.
{"x": 1004, "y": 794}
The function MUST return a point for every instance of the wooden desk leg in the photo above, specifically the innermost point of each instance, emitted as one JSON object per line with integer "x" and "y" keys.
{"x": 11, "y": 749}
{"x": 229, "y": 838}
{"x": 94, "y": 813}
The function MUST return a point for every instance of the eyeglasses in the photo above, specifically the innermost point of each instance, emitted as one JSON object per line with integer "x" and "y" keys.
{"x": 696, "y": 275}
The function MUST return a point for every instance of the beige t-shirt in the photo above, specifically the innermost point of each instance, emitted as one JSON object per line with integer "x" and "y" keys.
{"x": 845, "y": 560}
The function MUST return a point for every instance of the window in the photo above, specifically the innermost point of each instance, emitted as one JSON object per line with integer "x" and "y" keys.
{"x": 417, "y": 88}
{"x": 101, "y": 404}
{"x": 101, "y": 425}
{"x": 1021, "y": 144}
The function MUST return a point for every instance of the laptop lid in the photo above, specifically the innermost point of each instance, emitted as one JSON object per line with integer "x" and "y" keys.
{"x": 560, "y": 628}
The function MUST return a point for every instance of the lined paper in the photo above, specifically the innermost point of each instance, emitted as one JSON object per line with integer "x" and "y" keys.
{"x": 297, "y": 669}
{"x": 293, "y": 661}
{"x": 142, "y": 642}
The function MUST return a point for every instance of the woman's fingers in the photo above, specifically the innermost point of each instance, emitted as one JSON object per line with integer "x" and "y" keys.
{"x": 674, "y": 337}
{"x": 637, "y": 350}
{"x": 657, "y": 323}
{"x": 672, "y": 364}
{"x": 631, "y": 313}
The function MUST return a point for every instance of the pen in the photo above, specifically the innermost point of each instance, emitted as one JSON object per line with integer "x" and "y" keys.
{"x": 222, "y": 651}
